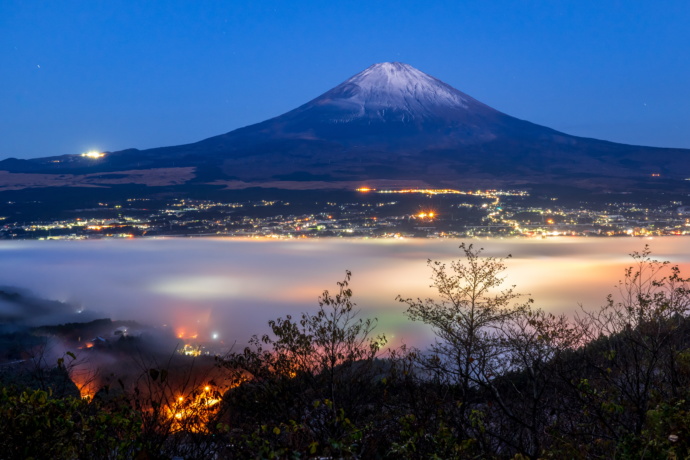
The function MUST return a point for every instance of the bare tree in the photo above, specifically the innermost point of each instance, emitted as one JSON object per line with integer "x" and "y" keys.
{"x": 310, "y": 370}
{"x": 530, "y": 402}
{"x": 634, "y": 343}
{"x": 467, "y": 318}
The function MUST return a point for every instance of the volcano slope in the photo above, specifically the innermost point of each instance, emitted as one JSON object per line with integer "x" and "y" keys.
{"x": 390, "y": 124}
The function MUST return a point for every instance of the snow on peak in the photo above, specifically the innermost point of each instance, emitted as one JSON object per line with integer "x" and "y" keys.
{"x": 395, "y": 77}
{"x": 399, "y": 87}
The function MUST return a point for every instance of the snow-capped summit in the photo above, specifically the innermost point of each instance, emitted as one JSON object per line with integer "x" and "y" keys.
{"x": 401, "y": 86}
{"x": 395, "y": 91}
{"x": 394, "y": 122}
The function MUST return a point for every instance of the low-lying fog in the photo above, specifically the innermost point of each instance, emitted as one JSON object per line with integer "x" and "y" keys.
{"x": 232, "y": 287}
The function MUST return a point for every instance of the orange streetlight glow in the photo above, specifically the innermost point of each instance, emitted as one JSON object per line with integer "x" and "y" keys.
{"x": 192, "y": 414}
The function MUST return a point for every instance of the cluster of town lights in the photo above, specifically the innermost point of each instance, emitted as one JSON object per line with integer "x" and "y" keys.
{"x": 445, "y": 191}
{"x": 424, "y": 191}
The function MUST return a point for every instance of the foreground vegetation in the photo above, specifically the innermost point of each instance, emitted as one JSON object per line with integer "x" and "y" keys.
{"x": 503, "y": 379}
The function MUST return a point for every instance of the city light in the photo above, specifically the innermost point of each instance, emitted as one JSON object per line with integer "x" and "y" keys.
{"x": 93, "y": 154}
{"x": 448, "y": 191}
{"x": 194, "y": 412}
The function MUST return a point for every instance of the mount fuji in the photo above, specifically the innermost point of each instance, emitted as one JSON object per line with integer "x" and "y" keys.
{"x": 390, "y": 122}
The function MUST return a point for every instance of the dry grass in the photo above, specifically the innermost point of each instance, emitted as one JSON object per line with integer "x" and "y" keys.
{"x": 149, "y": 177}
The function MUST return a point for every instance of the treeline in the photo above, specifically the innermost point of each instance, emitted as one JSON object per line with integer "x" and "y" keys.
{"x": 503, "y": 379}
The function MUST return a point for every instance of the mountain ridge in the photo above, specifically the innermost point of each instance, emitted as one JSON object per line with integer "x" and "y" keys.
{"x": 393, "y": 121}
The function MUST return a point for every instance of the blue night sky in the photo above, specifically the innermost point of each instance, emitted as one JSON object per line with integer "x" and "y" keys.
{"x": 108, "y": 75}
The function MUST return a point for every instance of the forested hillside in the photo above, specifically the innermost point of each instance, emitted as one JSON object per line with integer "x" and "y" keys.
{"x": 503, "y": 379}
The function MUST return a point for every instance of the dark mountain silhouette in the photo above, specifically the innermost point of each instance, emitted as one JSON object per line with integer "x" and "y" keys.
{"x": 394, "y": 122}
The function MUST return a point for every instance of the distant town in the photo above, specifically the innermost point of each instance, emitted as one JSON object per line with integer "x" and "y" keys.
{"x": 362, "y": 213}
